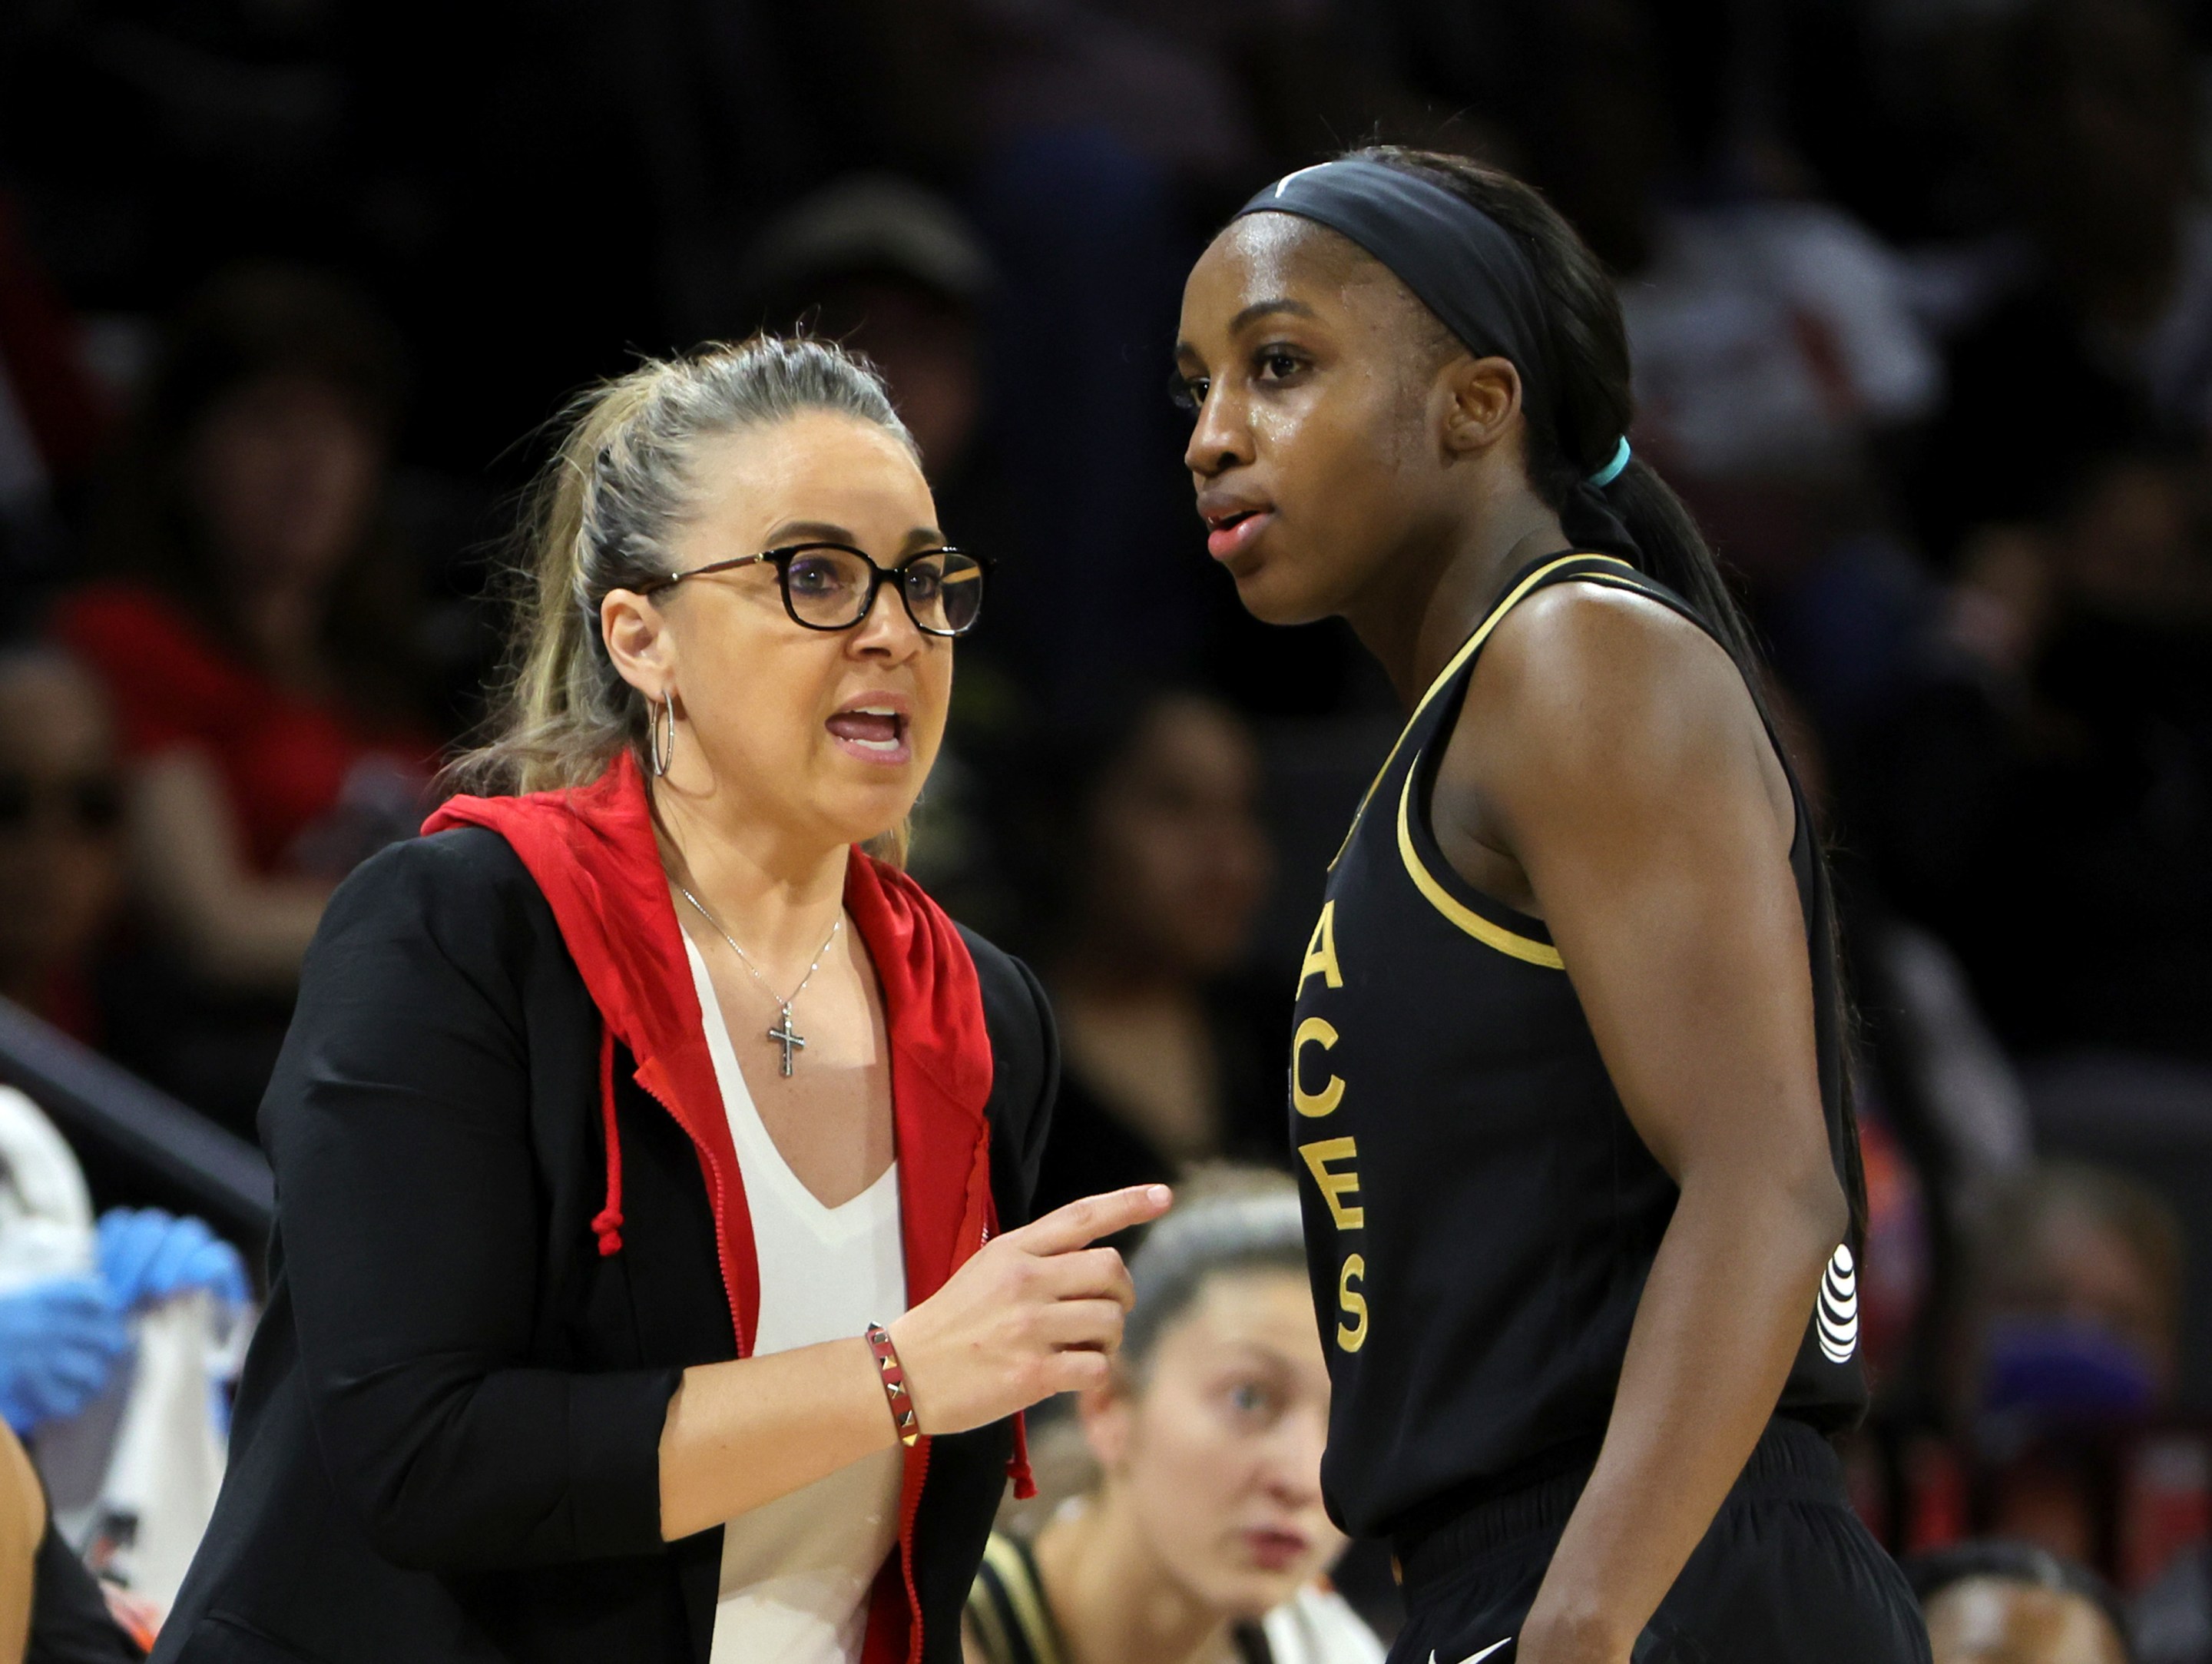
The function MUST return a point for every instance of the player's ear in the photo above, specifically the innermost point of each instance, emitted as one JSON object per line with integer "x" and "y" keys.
{"x": 1482, "y": 396}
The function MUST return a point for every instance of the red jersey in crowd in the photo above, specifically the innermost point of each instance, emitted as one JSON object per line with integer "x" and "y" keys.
{"x": 314, "y": 790}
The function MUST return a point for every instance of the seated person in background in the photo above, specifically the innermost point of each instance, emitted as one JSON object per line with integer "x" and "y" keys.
{"x": 68, "y": 1284}
{"x": 61, "y": 810}
{"x": 2073, "y": 1305}
{"x": 250, "y": 624}
{"x": 890, "y": 269}
{"x": 1994, "y": 1602}
{"x": 1164, "y": 1060}
{"x": 86, "y": 1343}
{"x": 1205, "y": 1536}
{"x": 51, "y": 1612}
{"x": 2090, "y": 122}
{"x": 2059, "y": 743}
{"x": 2066, "y": 1354}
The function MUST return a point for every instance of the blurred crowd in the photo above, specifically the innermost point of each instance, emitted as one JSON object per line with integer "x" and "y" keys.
{"x": 1920, "y": 297}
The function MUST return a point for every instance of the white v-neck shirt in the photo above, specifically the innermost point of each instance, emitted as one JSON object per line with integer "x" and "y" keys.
{"x": 797, "y": 1572}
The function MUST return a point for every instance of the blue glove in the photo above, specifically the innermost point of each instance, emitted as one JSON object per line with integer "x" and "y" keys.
{"x": 146, "y": 1255}
{"x": 59, "y": 1341}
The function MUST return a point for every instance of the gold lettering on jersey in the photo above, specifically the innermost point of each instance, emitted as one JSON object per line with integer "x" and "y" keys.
{"x": 1335, "y": 1186}
{"x": 1313, "y": 1031}
{"x": 1352, "y": 1336}
{"x": 1321, "y": 952}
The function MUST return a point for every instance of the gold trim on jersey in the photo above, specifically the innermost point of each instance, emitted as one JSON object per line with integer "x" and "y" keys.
{"x": 1468, "y": 649}
{"x": 1491, "y": 935}
{"x": 982, "y": 1611}
{"x": 1027, "y": 1598}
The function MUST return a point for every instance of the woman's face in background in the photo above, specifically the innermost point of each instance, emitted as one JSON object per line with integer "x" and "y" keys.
{"x": 283, "y": 473}
{"x": 61, "y": 851}
{"x": 1995, "y": 1621}
{"x": 1217, "y": 1449}
{"x": 1180, "y": 861}
{"x": 829, "y": 731}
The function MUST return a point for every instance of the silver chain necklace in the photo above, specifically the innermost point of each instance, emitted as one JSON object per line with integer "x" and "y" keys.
{"x": 783, "y": 1033}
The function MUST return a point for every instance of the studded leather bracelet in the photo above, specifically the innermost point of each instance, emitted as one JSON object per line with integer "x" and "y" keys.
{"x": 892, "y": 1373}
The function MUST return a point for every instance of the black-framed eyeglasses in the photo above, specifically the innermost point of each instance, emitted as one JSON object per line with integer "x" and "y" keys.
{"x": 832, "y": 586}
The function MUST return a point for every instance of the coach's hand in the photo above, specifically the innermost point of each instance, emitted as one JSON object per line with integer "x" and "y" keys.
{"x": 1035, "y": 1312}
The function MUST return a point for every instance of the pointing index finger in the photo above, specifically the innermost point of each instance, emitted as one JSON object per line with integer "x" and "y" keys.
{"x": 1088, "y": 1218}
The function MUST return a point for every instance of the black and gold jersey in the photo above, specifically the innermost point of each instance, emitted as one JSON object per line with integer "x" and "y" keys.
{"x": 1008, "y": 1618}
{"x": 1480, "y": 1214}
{"x": 1010, "y": 1622}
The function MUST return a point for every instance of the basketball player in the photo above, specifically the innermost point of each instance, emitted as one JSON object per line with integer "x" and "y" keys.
{"x": 1567, "y": 1086}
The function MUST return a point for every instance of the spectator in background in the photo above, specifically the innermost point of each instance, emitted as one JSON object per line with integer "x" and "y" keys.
{"x": 2073, "y": 1306}
{"x": 1773, "y": 345}
{"x": 2105, "y": 338}
{"x": 2009, "y": 1603}
{"x": 51, "y": 1612}
{"x": 2060, "y": 1365}
{"x": 2066, "y": 1350}
{"x": 896, "y": 272}
{"x": 1778, "y": 359}
{"x": 2043, "y": 796}
{"x": 892, "y": 270}
{"x": 61, "y": 855}
{"x": 251, "y": 626}
{"x": 1944, "y": 1126}
{"x": 1204, "y": 1534}
{"x": 1158, "y": 869}
{"x": 108, "y": 1333}
{"x": 1096, "y": 137}
{"x": 1773, "y": 348}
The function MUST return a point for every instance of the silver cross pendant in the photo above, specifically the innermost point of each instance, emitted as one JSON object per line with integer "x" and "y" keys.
{"x": 786, "y": 1037}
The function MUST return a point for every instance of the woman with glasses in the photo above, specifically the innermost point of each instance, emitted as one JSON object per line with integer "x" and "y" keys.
{"x": 650, "y": 1278}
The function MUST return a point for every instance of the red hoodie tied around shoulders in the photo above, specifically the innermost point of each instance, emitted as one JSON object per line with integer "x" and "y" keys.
{"x": 591, "y": 851}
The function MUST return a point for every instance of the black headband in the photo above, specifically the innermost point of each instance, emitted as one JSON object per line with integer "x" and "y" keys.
{"x": 1466, "y": 268}
{"x": 1460, "y": 262}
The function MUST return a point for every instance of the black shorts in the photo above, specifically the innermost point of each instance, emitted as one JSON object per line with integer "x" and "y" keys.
{"x": 1786, "y": 1574}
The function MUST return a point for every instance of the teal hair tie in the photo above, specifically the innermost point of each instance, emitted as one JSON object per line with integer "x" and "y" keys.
{"x": 1605, "y": 476}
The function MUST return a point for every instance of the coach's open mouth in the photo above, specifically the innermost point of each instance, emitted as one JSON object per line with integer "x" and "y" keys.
{"x": 873, "y": 728}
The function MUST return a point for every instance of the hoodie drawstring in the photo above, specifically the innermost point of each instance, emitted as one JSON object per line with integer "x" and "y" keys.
{"x": 607, "y": 1223}
{"x": 1018, "y": 1466}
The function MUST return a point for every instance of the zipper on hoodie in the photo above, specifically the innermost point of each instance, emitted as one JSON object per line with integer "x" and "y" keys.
{"x": 909, "y": 1512}
{"x": 910, "y": 1505}
{"x": 910, "y": 1509}
{"x": 714, "y": 1201}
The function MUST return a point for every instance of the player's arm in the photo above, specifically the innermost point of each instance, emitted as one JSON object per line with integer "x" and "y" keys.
{"x": 1624, "y": 767}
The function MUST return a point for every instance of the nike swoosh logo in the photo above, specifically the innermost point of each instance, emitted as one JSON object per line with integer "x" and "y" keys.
{"x": 1477, "y": 1658}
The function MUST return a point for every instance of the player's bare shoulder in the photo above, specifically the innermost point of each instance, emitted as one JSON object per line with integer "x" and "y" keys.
{"x": 1595, "y": 694}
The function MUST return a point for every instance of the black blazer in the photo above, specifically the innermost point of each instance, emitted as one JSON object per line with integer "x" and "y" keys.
{"x": 434, "y": 1126}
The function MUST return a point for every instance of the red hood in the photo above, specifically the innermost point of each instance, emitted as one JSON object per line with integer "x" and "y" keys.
{"x": 593, "y": 852}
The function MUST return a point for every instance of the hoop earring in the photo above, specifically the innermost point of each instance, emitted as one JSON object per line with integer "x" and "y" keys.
{"x": 660, "y": 720}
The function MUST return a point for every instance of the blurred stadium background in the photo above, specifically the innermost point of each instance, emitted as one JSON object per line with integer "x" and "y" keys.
{"x": 1920, "y": 293}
